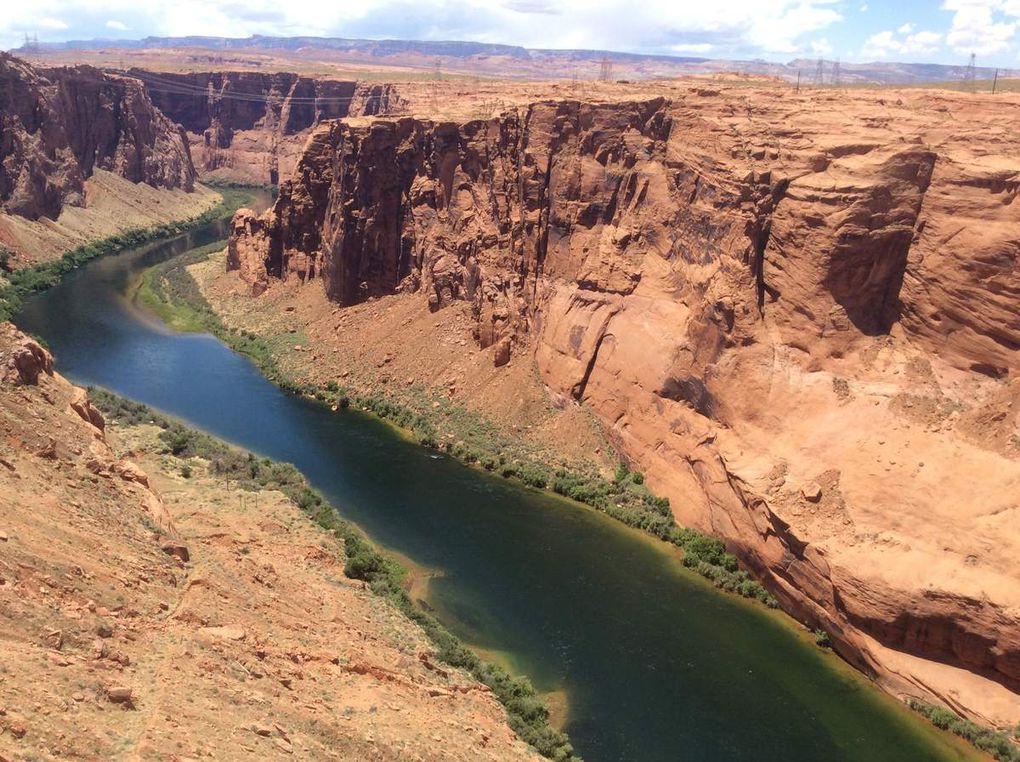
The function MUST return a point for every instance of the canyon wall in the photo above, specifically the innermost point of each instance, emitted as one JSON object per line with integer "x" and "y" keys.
{"x": 796, "y": 313}
{"x": 58, "y": 126}
{"x": 250, "y": 126}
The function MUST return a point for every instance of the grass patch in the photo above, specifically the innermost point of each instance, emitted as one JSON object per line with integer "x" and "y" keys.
{"x": 994, "y": 742}
{"x": 168, "y": 290}
{"x": 527, "y": 714}
{"x": 22, "y": 283}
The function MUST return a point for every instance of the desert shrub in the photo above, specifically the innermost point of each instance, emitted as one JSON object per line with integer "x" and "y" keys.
{"x": 993, "y": 742}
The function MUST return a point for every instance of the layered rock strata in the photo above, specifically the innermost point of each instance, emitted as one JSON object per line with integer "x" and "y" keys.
{"x": 251, "y": 125}
{"x": 58, "y": 126}
{"x": 797, "y": 314}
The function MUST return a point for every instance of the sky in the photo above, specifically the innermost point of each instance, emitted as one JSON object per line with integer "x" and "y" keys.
{"x": 930, "y": 31}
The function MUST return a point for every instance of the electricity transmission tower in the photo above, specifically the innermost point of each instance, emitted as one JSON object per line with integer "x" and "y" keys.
{"x": 605, "y": 69}
{"x": 969, "y": 76}
{"x": 437, "y": 77}
{"x": 835, "y": 74}
{"x": 820, "y": 73}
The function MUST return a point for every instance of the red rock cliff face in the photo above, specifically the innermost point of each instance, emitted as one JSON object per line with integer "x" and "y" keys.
{"x": 703, "y": 271}
{"x": 251, "y": 125}
{"x": 58, "y": 125}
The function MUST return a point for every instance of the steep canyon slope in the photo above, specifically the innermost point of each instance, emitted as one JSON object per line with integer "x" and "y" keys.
{"x": 60, "y": 125}
{"x": 85, "y": 154}
{"x": 149, "y": 611}
{"x": 796, "y": 313}
{"x": 250, "y": 126}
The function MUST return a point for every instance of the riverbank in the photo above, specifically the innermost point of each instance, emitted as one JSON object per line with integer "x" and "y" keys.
{"x": 172, "y": 291}
{"x": 18, "y": 284}
{"x": 113, "y": 206}
{"x": 157, "y": 602}
{"x": 527, "y": 715}
{"x": 461, "y": 433}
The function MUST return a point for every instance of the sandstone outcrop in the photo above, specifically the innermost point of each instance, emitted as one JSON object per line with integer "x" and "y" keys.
{"x": 797, "y": 314}
{"x": 58, "y": 126}
{"x": 251, "y": 125}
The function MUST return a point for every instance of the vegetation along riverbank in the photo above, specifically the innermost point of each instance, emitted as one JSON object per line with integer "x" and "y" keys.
{"x": 527, "y": 714}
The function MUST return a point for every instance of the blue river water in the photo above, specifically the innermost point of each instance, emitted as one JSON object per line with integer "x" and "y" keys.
{"x": 651, "y": 662}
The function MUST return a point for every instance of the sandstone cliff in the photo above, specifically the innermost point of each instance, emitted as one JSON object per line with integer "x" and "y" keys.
{"x": 58, "y": 126}
{"x": 151, "y": 609}
{"x": 797, "y": 314}
{"x": 250, "y": 126}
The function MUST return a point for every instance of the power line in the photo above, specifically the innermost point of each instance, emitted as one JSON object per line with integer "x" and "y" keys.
{"x": 158, "y": 85}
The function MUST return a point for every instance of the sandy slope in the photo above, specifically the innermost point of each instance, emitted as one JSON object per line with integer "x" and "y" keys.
{"x": 114, "y": 647}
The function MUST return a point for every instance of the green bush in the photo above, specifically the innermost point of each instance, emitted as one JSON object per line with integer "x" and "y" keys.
{"x": 993, "y": 742}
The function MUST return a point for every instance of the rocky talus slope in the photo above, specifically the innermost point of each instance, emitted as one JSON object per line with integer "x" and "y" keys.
{"x": 149, "y": 609}
{"x": 251, "y": 126}
{"x": 58, "y": 126}
{"x": 796, "y": 313}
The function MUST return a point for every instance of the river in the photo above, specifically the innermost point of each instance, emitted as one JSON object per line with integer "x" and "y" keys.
{"x": 652, "y": 663}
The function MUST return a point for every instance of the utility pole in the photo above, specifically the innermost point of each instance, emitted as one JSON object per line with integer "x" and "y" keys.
{"x": 969, "y": 76}
{"x": 995, "y": 81}
{"x": 820, "y": 73}
{"x": 798, "y": 80}
{"x": 605, "y": 69}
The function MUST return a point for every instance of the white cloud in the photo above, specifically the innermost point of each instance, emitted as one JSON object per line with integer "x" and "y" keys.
{"x": 864, "y": 8}
{"x": 697, "y": 49}
{"x": 119, "y": 26}
{"x": 902, "y": 43}
{"x": 734, "y": 27}
{"x": 48, "y": 22}
{"x": 821, "y": 47}
{"x": 984, "y": 27}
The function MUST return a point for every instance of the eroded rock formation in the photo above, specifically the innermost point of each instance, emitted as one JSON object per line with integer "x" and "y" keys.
{"x": 252, "y": 125}
{"x": 59, "y": 125}
{"x": 797, "y": 314}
